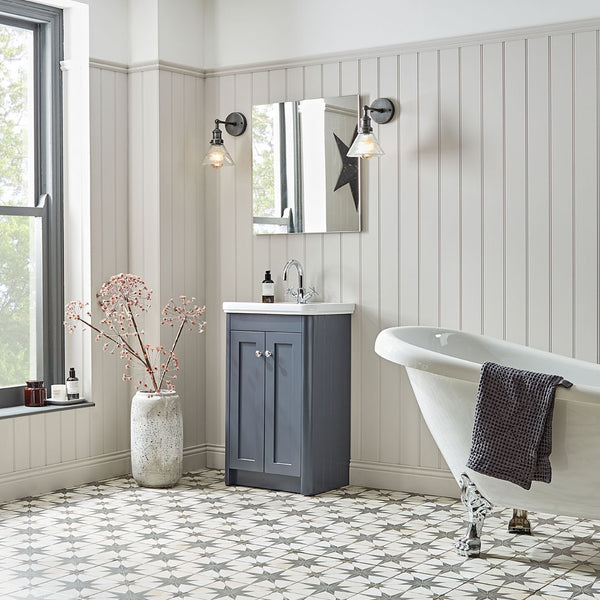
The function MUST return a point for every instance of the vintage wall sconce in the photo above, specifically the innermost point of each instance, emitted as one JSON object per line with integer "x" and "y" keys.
{"x": 366, "y": 145}
{"x": 217, "y": 155}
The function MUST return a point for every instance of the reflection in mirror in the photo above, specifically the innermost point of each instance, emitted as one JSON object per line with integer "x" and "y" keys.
{"x": 302, "y": 180}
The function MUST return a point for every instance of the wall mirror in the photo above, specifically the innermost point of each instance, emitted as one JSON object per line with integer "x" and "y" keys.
{"x": 302, "y": 180}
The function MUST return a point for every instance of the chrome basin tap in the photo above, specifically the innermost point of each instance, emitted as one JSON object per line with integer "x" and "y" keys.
{"x": 300, "y": 294}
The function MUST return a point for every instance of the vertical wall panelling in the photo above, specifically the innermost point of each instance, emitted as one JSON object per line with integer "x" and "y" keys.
{"x": 246, "y": 284}
{"x": 37, "y": 449}
{"x": 227, "y": 207}
{"x": 107, "y": 428}
{"x": 227, "y": 185}
{"x": 182, "y": 269}
{"x": 481, "y": 216}
{"x": 214, "y": 336}
{"x": 159, "y": 114}
{"x": 449, "y": 186}
{"x": 182, "y": 260}
{"x": 195, "y": 114}
{"x": 429, "y": 193}
{"x": 144, "y": 252}
{"x": 561, "y": 178}
{"x": 369, "y": 276}
{"x": 97, "y": 249}
{"x": 389, "y": 254}
{"x": 53, "y": 431}
{"x": 538, "y": 192}
{"x": 493, "y": 205}
{"x": 515, "y": 184}
{"x": 191, "y": 221}
{"x": 109, "y": 211}
{"x": 7, "y": 428}
{"x": 408, "y": 233}
{"x": 350, "y": 260}
{"x": 228, "y": 202}
{"x": 471, "y": 184}
{"x": 22, "y": 449}
{"x": 68, "y": 451}
{"x": 116, "y": 259}
{"x": 585, "y": 194}
{"x": 429, "y": 214}
{"x": 169, "y": 190}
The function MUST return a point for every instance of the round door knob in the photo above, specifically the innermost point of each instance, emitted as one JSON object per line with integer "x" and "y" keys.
{"x": 258, "y": 354}
{"x": 268, "y": 353}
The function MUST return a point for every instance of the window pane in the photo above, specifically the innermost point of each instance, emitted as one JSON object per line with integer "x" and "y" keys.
{"x": 19, "y": 288}
{"x": 17, "y": 136}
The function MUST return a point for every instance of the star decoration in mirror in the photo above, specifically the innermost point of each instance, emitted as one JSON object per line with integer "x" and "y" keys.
{"x": 349, "y": 173}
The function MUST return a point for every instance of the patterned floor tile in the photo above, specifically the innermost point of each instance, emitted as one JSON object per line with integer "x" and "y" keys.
{"x": 415, "y": 584}
{"x": 202, "y": 540}
{"x": 573, "y": 586}
{"x": 478, "y": 591}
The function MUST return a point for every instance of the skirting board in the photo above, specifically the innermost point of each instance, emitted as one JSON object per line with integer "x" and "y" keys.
{"x": 31, "y": 482}
{"x": 437, "y": 482}
{"x": 419, "y": 480}
{"x": 366, "y": 474}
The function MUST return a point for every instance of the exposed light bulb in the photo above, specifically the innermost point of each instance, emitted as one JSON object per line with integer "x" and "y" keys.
{"x": 217, "y": 157}
{"x": 365, "y": 146}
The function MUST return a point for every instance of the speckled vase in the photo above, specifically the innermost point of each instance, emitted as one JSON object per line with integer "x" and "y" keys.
{"x": 156, "y": 438}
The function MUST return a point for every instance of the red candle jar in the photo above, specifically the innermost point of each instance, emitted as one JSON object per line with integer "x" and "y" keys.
{"x": 35, "y": 393}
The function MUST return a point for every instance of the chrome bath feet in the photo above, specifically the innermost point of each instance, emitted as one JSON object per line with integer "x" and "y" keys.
{"x": 519, "y": 523}
{"x": 478, "y": 507}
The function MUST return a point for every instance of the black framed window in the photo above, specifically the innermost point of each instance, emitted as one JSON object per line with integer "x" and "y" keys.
{"x": 31, "y": 215}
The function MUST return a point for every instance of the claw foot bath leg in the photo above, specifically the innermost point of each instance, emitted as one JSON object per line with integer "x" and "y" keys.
{"x": 519, "y": 522}
{"x": 478, "y": 507}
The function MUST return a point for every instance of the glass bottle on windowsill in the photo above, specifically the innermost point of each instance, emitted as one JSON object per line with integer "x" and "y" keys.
{"x": 72, "y": 385}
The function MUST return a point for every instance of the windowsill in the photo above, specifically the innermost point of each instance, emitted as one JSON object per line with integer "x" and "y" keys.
{"x": 23, "y": 411}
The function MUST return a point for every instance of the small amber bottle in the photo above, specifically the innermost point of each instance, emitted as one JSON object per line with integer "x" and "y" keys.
{"x": 35, "y": 393}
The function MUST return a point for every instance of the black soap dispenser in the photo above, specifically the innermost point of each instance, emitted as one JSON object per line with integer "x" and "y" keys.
{"x": 268, "y": 289}
{"x": 72, "y": 385}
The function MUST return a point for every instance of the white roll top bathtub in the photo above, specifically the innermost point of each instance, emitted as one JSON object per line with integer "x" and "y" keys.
{"x": 444, "y": 367}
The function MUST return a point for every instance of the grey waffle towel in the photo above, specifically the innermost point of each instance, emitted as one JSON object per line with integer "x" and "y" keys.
{"x": 512, "y": 431}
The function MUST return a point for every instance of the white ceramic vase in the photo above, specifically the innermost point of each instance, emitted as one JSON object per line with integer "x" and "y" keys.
{"x": 156, "y": 438}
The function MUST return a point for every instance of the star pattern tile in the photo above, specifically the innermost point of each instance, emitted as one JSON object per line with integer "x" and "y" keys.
{"x": 203, "y": 540}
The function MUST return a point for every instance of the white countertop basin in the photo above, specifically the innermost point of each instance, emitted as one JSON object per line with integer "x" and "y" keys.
{"x": 290, "y": 308}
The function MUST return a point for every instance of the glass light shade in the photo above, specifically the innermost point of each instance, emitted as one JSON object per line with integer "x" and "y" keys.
{"x": 217, "y": 157}
{"x": 365, "y": 145}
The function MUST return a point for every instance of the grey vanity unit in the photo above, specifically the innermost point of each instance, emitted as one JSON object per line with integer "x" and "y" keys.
{"x": 288, "y": 396}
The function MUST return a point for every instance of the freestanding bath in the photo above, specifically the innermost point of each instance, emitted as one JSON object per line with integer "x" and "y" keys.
{"x": 444, "y": 367}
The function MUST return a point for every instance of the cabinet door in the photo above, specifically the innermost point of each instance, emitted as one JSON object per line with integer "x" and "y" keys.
{"x": 283, "y": 404}
{"x": 246, "y": 401}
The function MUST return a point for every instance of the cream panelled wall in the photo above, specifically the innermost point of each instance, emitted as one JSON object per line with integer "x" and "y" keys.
{"x": 50, "y": 451}
{"x": 166, "y": 214}
{"x": 483, "y": 216}
{"x": 146, "y": 212}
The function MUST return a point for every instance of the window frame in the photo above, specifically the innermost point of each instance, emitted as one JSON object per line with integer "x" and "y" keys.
{"x": 46, "y": 22}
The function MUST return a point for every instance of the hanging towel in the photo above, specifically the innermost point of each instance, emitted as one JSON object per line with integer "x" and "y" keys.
{"x": 512, "y": 430}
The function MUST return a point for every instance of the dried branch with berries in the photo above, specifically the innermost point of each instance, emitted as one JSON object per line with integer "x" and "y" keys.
{"x": 124, "y": 299}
